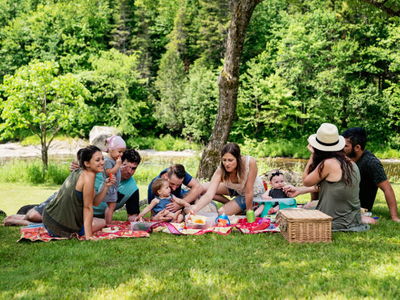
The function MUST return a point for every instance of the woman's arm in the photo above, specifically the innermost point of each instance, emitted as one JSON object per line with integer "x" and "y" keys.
{"x": 149, "y": 207}
{"x": 248, "y": 188}
{"x": 331, "y": 172}
{"x": 88, "y": 196}
{"x": 208, "y": 196}
{"x": 100, "y": 196}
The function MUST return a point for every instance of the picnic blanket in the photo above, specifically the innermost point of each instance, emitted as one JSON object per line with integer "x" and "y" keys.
{"x": 242, "y": 226}
{"x": 36, "y": 232}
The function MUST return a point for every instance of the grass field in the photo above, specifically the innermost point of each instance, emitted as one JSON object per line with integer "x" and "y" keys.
{"x": 211, "y": 266}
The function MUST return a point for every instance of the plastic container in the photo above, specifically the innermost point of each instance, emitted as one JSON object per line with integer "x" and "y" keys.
{"x": 209, "y": 222}
{"x": 142, "y": 226}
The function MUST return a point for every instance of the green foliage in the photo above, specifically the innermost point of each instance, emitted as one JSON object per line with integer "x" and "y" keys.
{"x": 200, "y": 103}
{"x": 170, "y": 84}
{"x": 63, "y": 31}
{"x": 151, "y": 65}
{"x": 38, "y": 99}
{"x": 119, "y": 92}
{"x": 295, "y": 148}
{"x": 30, "y": 140}
{"x": 31, "y": 171}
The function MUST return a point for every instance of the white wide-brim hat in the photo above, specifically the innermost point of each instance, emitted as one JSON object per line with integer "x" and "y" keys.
{"x": 327, "y": 138}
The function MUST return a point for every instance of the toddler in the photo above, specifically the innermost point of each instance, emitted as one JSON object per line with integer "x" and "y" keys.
{"x": 115, "y": 146}
{"x": 277, "y": 182}
{"x": 161, "y": 189}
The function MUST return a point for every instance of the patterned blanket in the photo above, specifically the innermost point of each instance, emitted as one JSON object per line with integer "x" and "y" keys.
{"x": 36, "y": 232}
{"x": 242, "y": 226}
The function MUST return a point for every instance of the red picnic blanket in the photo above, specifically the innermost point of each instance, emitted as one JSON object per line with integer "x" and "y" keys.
{"x": 242, "y": 226}
{"x": 36, "y": 232}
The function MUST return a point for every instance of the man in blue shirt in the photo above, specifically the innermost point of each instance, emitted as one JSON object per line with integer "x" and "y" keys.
{"x": 176, "y": 176}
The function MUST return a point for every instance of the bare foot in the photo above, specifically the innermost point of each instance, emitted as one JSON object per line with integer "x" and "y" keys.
{"x": 176, "y": 216}
{"x": 15, "y": 220}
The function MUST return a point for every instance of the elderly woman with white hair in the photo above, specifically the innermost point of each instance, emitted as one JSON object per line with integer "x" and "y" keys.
{"x": 331, "y": 173}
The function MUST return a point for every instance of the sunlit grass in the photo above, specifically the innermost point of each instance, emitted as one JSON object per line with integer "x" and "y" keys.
{"x": 211, "y": 266}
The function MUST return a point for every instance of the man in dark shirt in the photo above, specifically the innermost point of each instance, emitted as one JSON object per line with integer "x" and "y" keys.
{"x": 176, "y": 176}
{"x": 372, "y": 173}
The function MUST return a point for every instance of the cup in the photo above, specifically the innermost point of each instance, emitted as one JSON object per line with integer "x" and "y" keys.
{"x": 250, "y": 216}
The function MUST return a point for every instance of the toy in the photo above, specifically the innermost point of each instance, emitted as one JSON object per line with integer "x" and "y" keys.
{"x": 222, "y": 220}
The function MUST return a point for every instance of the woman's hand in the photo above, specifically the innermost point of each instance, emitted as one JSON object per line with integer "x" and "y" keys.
{"x": 310, "y": 148}
{"x": 291, "y": 191}
{"x": 92, "y": 238}
{"x": 110, "y": 180}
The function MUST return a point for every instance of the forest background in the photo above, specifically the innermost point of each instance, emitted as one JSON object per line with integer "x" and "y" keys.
{"x": 151, "y": 66}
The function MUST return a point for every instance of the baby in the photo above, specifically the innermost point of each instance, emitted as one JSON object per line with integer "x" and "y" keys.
{"x": 277, "y": 182}
{"x": 115, "y": 148}
{"x": 161, "y": 189}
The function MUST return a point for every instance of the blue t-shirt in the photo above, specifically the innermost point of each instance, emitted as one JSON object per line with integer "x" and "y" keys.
{"x": 177, "y": 193}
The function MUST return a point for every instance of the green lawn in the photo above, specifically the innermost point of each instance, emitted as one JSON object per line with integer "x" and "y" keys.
{"x": 211, "y": 266}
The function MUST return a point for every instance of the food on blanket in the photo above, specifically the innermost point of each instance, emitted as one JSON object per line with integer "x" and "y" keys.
{"x": 197, "y": 219}
{"x": 106, "y": 229}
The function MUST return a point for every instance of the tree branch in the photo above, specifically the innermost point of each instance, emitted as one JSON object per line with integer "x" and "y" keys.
{"x": 382, "y": 7}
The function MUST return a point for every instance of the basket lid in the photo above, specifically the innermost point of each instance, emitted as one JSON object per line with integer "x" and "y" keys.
{"x": 304, "y": 214}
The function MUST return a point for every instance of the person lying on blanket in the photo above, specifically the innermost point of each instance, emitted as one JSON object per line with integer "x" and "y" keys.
{"x": 163, "y": 197}
{"x": 128, "y": 194}
{"x": 71, "y": 210}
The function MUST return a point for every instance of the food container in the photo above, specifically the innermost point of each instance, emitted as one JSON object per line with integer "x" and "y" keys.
{"x": 207, "y": 218}
{"x": 142, "y": 226}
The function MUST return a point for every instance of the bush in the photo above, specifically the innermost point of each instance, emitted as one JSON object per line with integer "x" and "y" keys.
{"x": 32, "y": 172}
{"x": 57, "y": 173}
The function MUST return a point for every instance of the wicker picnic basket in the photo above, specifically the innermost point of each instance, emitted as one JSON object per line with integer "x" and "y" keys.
{"x": 301, "y": 225}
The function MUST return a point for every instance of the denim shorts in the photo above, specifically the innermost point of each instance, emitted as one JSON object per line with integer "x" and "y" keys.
{"x": 240, "y": 200}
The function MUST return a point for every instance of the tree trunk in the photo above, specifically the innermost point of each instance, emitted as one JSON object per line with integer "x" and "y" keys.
{"x": 45, "y": 158}
{"x": 228, "y": 83}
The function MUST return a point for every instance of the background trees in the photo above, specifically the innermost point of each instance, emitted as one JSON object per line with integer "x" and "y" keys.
{"x": 39, "y": 99}
{"x": 151, "y": 66}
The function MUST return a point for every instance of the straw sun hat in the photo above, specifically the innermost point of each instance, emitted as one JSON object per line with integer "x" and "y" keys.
{"x": 327, "y": 138}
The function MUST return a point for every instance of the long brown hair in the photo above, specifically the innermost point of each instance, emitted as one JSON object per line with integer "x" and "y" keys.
{"x": 346, "y": 164}
{"x": 232, "y": 148}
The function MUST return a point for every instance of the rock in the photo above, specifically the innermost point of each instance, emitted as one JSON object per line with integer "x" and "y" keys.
{"x": 99, "y": 134}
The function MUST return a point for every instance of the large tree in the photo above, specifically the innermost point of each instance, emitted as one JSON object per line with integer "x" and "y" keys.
{"x": 38, "y": 99}
{"x": 228, "y": 83}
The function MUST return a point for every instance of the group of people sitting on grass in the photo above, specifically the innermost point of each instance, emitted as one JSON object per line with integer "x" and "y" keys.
{"x": 340, "y": 173}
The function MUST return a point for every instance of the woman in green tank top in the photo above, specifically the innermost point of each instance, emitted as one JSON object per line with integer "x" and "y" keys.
{"x": 337, "y": 178}
{"x": 71, "y": 210}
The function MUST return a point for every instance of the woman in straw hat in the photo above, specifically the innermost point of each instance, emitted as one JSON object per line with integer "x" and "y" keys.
{"x": 336, "y": 177}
